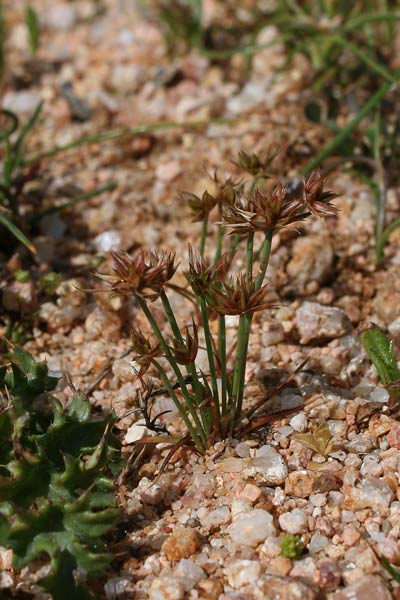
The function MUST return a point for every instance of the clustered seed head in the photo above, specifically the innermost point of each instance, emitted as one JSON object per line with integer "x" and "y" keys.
{"x": 262, "y": 211}
{"x": 237, "y": 297}
{"x": 200, "y": 206}
{"x": 202, "y": 275}
{"x": 255, "y": 164}
{"x": 145, "y": 349}
{"x": 142, "y": 275}
{"x": 185, "y": 350}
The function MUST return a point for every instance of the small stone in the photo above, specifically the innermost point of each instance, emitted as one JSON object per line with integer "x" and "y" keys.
{"x": 273, "y": 333}
{"x": 242, "y": 572}
{"x": 305, "y": 568}
{"x": 215, "y": 518}
{"x": 317, "y": 543}
{"x": 166, "y": 588}
{"x": 242, "y": 450}
{"x": 250, "y": 493}
{"x": 394, "y": 327}
{"x": 189, "y": 573}
{"x": 312, "y": 260}
{"x": 361, "y": 443}
{"x": 60, "y": 17}
{"x": 19, "y": 297}
{"x": 300, "y": 484}
{"x": 182, "y": 543}
{"x": 299, "y": 422}
{"x": 350, "y": 536}
{"x": 379, "y": 394}
{"x": 316, "y": 322}
{"x": 150, "y": 493}
{"x": 373, "y": 493}
{"x": 393, "y": 437}
{"x": 137, "y": 432}
{"x": 294, "y": 521}
{"x": 210, "y": 589}
{"x": 252, "y": 528}
{"x": 329, "y": 575}
{"x": 364, "y": 589}
{"x": 280, "y": 566}
{"x": 287, "y": 589}
{"x": 268, "y": 468}
{"x": 22, "y": 102}
{"x": 169, "y": 170}
{"x": 108, "y": 240}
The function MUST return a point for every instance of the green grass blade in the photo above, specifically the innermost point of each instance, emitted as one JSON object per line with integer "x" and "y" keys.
{"x": 372, "y": 103}
{"x": 82, "y": 198}
{"x": 380, "y": 243}
{"x": 17, "y": 233}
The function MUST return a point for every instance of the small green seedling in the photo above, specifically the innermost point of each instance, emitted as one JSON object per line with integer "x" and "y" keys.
{"x": 291, "y": 546}
{"x": 33, "y": 26}
{"x": 380, "y": 350}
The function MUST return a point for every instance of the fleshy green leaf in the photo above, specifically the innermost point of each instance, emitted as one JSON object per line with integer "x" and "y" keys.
{"x": 61, "y": 583}
{"x": 380, "y": 351}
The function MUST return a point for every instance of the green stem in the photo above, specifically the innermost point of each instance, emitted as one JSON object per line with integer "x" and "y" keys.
{"x": 249, "y": 257}
{"x": 87, "y": 196}
{"x": 222, "y": 358}
{"x": 210, "y": 354}
{"x": 243, "y": 336}
{"x": 192, "y": 430}
{"x": 368, "y": 60}
{"x": 265, "y": 253}
{"x": 174, "y": 365}
{"x": 190, "y": 368}
{"x": 204, "y": 227}
{"x": 380, "y": 243}
{"x": 117, "y": 133}
{"x": 362, "y": 20}
{"x": 346, "y": 131}
{"x": 220, "y": 237}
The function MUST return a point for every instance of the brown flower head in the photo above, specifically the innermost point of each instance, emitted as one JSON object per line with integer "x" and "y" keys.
{"x": 142, "y": 275}
{"x": 237, "y": 297}
{"x": 316, "y": 199}
{"x": 227, "y": 189}
{"x": 256, "y": 165}
{"x": 185, "y": 351}
{"x": 259, "y": 211}
{"x": 145, "y": 350}
{"x": 200, "y": 207}
{"x": 202, "y": 275}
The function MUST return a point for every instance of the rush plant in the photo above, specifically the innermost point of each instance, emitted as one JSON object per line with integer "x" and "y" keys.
{"x": 211, "y": 403}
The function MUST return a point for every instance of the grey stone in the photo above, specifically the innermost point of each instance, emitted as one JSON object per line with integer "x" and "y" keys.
{"x": 268, "y": 468}
{"x": 294, "y": 521}
{"x": 316, "y": 322}
{"x": 252, "y": 528}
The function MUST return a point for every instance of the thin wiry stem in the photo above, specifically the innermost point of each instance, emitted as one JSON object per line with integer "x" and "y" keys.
{"x": 200, "y": 444}
{"x": 210, "y": 354}
{"x": 174, "y": 365}
{"x": 191, "y": 368}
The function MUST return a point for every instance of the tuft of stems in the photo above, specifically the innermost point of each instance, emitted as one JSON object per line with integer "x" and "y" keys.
{"x": 210, "y": 401}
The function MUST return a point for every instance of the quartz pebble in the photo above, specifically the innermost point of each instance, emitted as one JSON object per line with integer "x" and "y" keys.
{"x": 166, "y": 588}
{"x": 189, "y": 573}
{"x": 294, "y": 521}
{"x": 251, "y": 528}
{"x": 242, "y": 572}
{"x": 215, "y": 518}
{"x": 299, "y": 422}
{"x": 316, "y": 322}
{"x": 268, "y": 468}
{"x": 367, "y": 588}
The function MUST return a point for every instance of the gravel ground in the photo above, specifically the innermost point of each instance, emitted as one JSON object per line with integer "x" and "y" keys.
{"x": 210, "y": 527}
